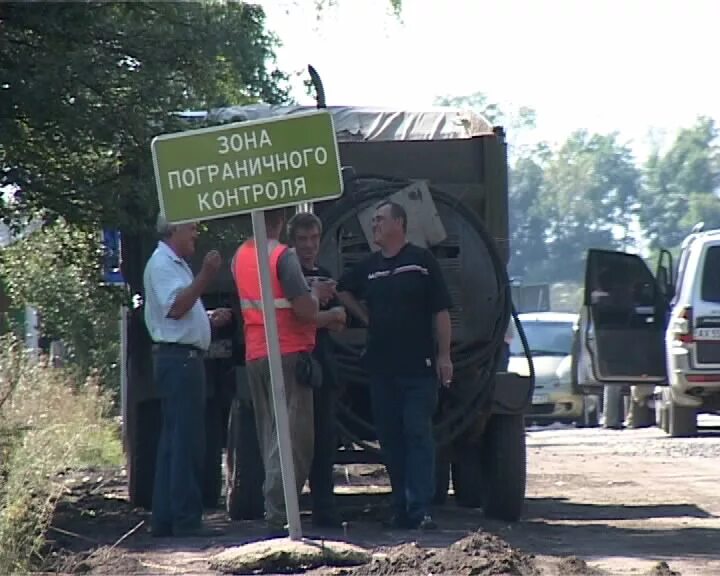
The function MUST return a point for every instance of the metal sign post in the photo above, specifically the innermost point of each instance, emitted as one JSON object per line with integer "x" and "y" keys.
{"x": 244, "y": 167}
{"x": 282, "y": 421}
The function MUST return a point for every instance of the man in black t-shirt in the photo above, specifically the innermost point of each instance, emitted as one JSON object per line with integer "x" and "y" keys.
{"x": 304, "y": 231}
{"x": 407, "y": 355}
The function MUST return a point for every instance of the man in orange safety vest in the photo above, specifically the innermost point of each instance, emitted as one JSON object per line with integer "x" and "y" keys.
{"x": 298, "y": 318}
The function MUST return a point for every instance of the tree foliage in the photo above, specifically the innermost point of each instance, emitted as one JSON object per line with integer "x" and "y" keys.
{"x": 680, "y": 185}
{"x": 589, "y": 189}
{"x": 86, "y": 86}
{"x": 57, "y": 269}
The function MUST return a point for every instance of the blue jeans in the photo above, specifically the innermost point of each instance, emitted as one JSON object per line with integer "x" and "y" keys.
{"x": 177, "y": 493}
{"x": 403, "y": 409}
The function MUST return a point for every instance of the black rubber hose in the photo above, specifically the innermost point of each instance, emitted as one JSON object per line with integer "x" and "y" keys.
{"x": 472, "y": 360}
{"x": 318, "y": 85}
{"x": 528, "y": 357}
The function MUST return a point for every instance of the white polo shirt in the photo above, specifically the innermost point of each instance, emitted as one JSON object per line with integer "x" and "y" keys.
{"x": 166, "y": 275}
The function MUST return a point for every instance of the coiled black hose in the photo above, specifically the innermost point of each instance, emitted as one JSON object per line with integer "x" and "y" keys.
{"x": 475, "y": 362}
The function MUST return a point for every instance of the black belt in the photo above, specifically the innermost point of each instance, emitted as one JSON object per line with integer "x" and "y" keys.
{"x": 194, "y": 350}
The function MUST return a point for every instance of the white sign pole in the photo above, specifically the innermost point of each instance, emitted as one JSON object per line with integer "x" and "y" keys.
{"x": 276, "y": 376}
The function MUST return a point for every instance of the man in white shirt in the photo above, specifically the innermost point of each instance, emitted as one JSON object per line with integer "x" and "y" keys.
{"x": 180, "y": 328}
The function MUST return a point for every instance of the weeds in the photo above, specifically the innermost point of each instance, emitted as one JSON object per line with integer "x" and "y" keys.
{"x": 47, "y": 424}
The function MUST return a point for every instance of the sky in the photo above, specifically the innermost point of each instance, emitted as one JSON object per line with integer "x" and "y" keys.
{"x": 639, "y": 67}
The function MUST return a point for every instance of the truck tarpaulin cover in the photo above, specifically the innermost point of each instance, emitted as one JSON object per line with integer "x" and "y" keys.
{"x": 367, "y": 123}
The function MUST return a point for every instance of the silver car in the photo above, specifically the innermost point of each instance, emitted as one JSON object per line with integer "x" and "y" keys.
{"x": 550, "y": 338}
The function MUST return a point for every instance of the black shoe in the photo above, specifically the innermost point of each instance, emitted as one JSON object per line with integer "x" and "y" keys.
{"x": 427, "y": 523}
{"x": 327, "y": 519}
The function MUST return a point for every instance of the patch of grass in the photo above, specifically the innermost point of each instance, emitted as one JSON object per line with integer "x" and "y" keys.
{"x": 48, "y": 423}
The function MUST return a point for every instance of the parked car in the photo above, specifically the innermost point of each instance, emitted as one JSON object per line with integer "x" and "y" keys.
{"x": 550, "y": 339}
{"x": 654, "y": 331}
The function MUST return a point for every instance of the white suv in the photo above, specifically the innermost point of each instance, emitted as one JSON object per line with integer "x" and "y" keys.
{"x": 650, "y": 331}
{"x": 692, "y": 338}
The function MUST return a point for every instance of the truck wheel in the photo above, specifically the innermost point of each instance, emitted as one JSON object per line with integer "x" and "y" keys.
{"x": 142, "y": 451}
{"x": 442, "y": 475}
{"x": 641, "y": 415}
{"x": 682, "y": 421}
{"x": 466, "y": 478}
{"x": 212, "y": 479}
{"x": 245, "y": 471}
{"x": 614, "y": 406}
{"x": 504, "y": 467}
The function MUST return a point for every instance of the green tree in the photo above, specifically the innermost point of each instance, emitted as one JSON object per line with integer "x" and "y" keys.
{"x": 527, "y": 223}
{"x": 525, "y": 169}
{"x": 589, "y": 191}
{"x": 680, "y": 185}
{"x": 86, "y": 86}
{"x": 514, "y": 120}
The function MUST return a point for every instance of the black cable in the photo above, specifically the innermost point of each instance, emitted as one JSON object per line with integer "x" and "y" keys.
{"x": 474, "y": 362}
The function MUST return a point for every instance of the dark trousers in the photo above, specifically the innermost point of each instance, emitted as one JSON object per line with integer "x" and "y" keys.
{"x": 177, "y": 496}
{"x": 403, "y": 409}
{"x": 321, "y": 473}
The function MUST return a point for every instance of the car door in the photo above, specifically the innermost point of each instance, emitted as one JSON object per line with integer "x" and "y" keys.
{"x": 622, "y": 322}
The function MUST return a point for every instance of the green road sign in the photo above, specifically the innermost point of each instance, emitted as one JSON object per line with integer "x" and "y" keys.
{"x": 236, "y": 168}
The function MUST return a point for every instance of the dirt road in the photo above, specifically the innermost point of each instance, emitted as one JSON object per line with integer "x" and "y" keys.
{"x": 622, "y": 501}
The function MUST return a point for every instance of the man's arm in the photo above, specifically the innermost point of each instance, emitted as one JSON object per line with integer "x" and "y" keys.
{"x": 186, "y": 298}
{"x": 168, "y": 282}
{"x": 350, "y": 286}
{"x": 355, "y": 308}
{"x": 440, "y": 306}
{"x": 304, "y": 303}
{"x": 331, "y": 318}
{"x": 443, "y": 333}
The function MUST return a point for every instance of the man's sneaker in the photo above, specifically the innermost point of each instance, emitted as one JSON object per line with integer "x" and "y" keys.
{"x": 427, "y": 523}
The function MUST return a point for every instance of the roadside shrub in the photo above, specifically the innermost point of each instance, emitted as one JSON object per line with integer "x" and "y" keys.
{"x": 48, "y": 423}
{"x": 57, "y": 269}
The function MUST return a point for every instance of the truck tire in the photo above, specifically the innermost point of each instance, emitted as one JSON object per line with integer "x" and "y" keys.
{"x": 212, "y": 472}
{"x": 641, "y": 415}
{"x": 614, "y": 406}
{"x": 442, "y": 475}
{"x": 503, "y": 465}
{"x": 245, "y": 471}
{"x": 141, "y": 452}
{"x": 682, "y": 421}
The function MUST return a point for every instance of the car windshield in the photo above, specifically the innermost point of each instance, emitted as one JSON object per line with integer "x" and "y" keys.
{"x": 544, "y": 339}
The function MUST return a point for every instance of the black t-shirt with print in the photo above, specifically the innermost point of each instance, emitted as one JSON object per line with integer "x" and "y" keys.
{"x": 403, "y": 294}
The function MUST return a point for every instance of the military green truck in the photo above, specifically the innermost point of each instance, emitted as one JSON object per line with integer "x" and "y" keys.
{"x": 448, "y": 167}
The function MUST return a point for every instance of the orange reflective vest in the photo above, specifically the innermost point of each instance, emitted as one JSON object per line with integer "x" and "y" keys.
{"x": 294, "y": 335}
